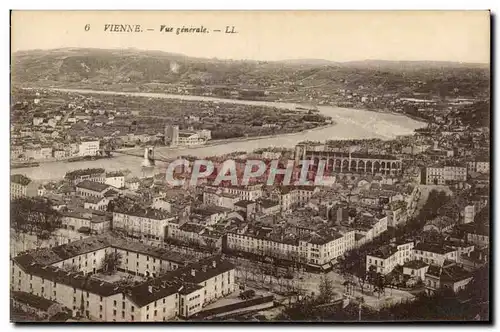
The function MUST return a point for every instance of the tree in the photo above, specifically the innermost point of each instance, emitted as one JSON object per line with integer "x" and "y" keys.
{"x": 361, "y": 277}
{"x": 34, "y": 216}
{"x": 326, "y": 292}
{"x": 371, "y": 275}
{"x": 111, "y": 261}
{"x": 379, "y": 284}
{"x": 361, "y": 302}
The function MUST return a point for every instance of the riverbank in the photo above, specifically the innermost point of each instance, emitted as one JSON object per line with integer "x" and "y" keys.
{"x": 297, "y": 105}
{"x": 348, "y": 124}
{"x": 228, "y": 141}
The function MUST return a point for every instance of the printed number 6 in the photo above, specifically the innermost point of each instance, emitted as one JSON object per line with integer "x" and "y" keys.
{"x": 87, "y": 27}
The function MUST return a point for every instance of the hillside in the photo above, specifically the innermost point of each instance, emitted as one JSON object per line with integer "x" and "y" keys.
{"x": 100, "y": 68}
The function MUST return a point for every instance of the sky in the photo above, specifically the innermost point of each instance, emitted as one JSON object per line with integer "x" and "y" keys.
{"x": 462, "y": 36}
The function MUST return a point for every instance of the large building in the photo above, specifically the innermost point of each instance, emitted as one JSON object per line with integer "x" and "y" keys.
{"x": 144, "y": 223}
{"x": 22, "y": 186}
{"x": 188, "y": 138}
{"x": 88, "y": 148}
{"x": 176, "y": 137}
{"x": 293, "y": 196}
{"x": 314, "y": 248}
{"x": 478, "y": 166}
{"x": 386, "y": 258}
{"x": 342, "y": 162}
{"x": 115, "y": 179}
{"x": 440, "y": 175}
{"x": 91, "y": 174}
{"x": 180, "y": 286}
{"x": 89, "y": 188}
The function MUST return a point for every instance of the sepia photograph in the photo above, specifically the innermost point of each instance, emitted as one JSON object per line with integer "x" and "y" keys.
{"x": 250, "y": 166}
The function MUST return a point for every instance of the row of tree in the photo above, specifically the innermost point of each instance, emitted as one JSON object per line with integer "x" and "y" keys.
{"x": 472, "y": 303}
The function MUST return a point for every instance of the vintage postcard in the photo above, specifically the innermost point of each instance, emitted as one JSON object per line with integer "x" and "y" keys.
{"x": 250, "y": 166}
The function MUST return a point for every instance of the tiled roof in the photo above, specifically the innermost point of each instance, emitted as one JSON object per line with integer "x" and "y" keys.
{"x": 94, "y": 186}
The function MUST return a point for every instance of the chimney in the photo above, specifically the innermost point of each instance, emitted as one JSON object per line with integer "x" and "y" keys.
{"x": 193, "y": 272}
{"x": 204, "y": 268}
{"x": 150, "y": 289}
{"x": 214, "y": 263}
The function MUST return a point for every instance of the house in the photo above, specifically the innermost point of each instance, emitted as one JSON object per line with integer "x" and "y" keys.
{"x": 59, "y": 154}
{"x": 415, "y": 269}
{"x": 22, "y": 186}
{"x": 115, "y": 179}
{"x": 88, "y": 148}
{"x": 220, "y": 198}
{"x": 96, "y": 203}
{"x": 435, "y": 254}
{"x": 479, "y": 166}
{"x": 451, "y": 277}
{"x": 87, "y": 221}
{"x": 248, "y": 208}
{"x": 386, "y": 258}
{"x": 269, "y": 207}
{"x": 132, "y": 184}
{"x": 191, "y": 233}
{"x": 293, "y": 196}
{"x": 187, "y": 138}
{"x": 161, "y": 204}
{"x": 144, "y": 222}
{"x": 37, "y": 306}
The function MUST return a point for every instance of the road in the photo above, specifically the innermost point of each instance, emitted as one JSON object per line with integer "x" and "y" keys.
{"x": 251, "y": 274}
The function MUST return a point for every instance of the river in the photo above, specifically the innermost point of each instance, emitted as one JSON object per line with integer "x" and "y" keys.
{"x": 349, "y": 124}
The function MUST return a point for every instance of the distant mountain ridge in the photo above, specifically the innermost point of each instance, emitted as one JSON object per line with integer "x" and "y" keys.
{"x": 299, "y": 61}
{"x": 105, "y": 68}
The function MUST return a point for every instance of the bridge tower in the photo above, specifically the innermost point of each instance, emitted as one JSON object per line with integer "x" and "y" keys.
{"x": 148, "y": 163}
{"x": 149, "y": 157}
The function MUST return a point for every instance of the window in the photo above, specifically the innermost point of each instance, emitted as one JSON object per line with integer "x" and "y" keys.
{"x": 156, "y": 312}
{"x": 114, "y": 303}
{"x": 123, "y": 305}
{"x": 100, "y": 307}
{"x": 123, "y": 314}
{"x": 114, "y": 312}
{"x": 132, "y": 317}
{"x": 132, "y": 308}
{"x": 147, "y": 316}
{"x": 100, "y": 299}
{"x": 163, "y": 301}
